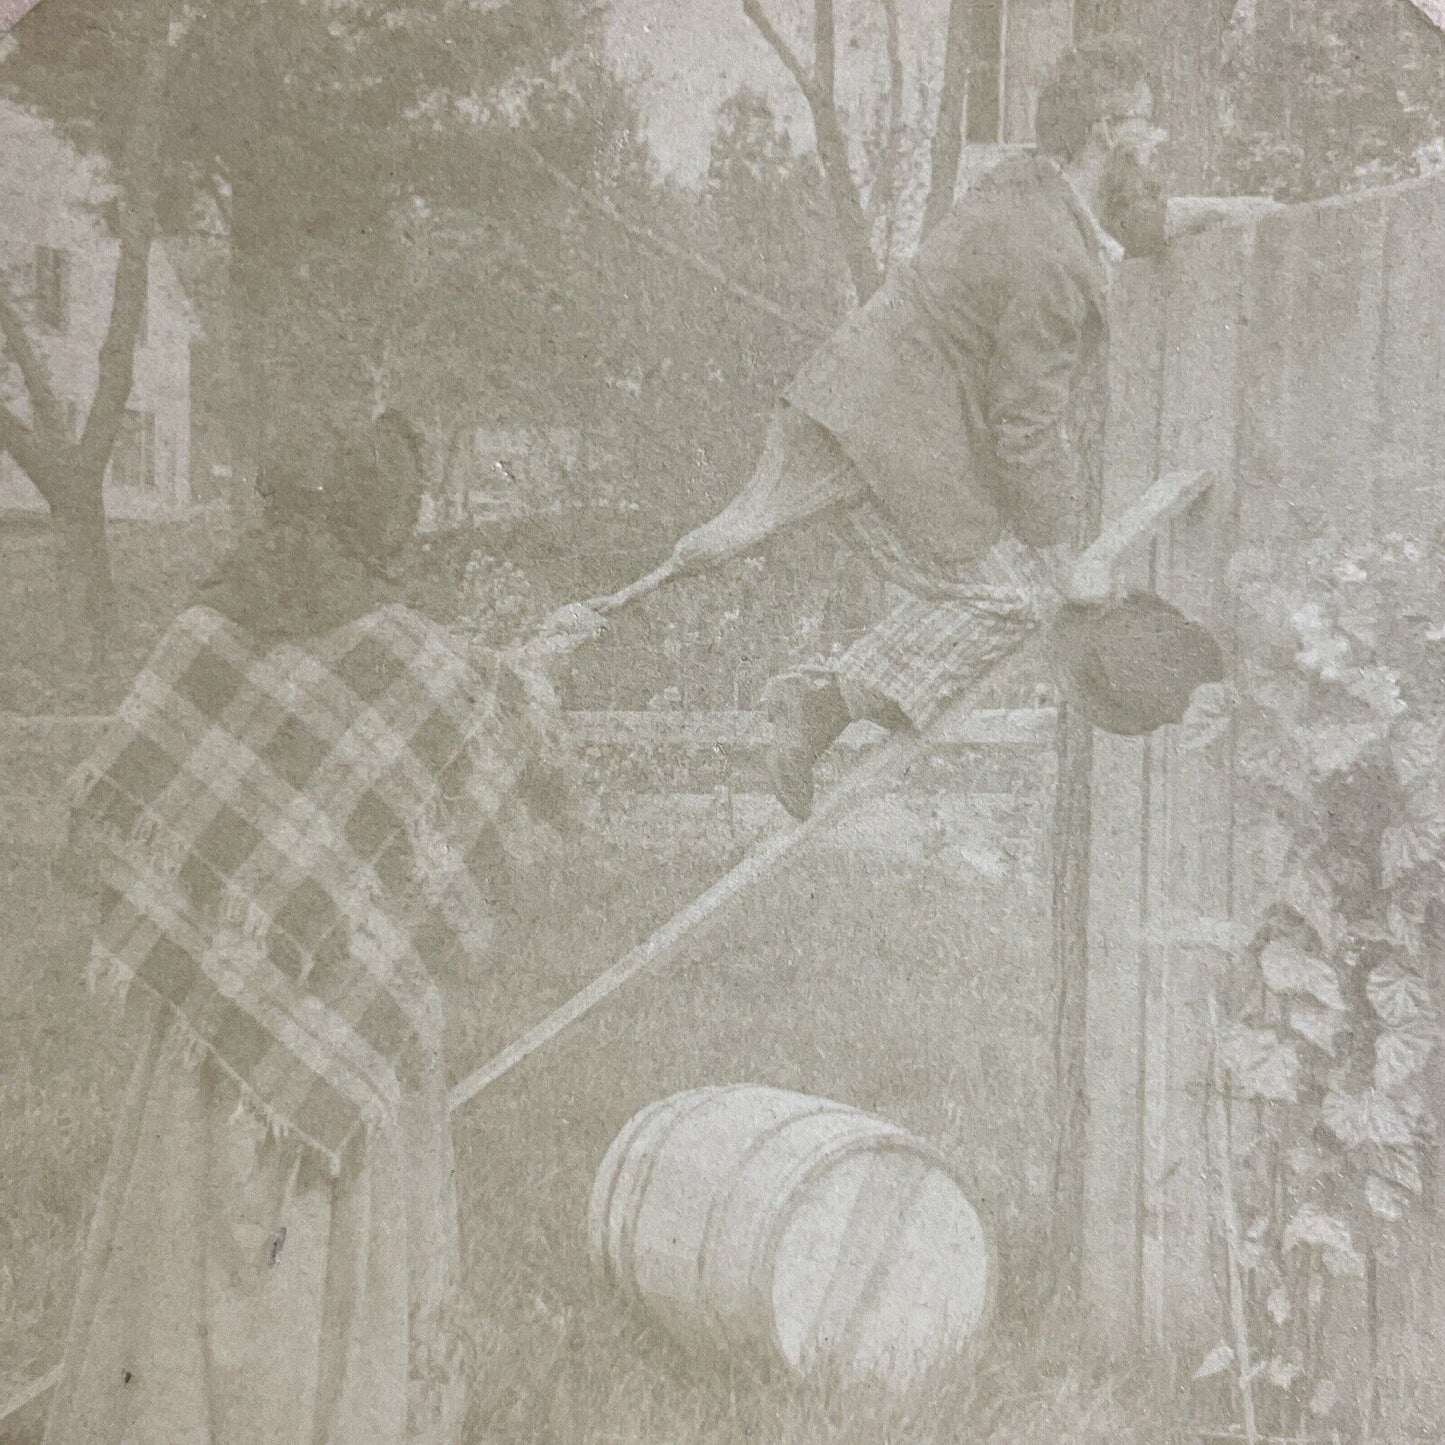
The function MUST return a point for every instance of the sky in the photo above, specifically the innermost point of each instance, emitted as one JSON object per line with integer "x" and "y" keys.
{"x": 690, "y": 55}
{"x": 11, "y": 11}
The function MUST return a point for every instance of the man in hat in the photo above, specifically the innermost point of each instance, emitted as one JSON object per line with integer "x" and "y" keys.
{"x": 941, "y": 429}
{"x": 955, "y": 403}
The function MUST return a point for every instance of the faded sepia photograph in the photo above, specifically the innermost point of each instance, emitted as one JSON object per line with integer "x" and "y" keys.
{"x": 722, "y": 722}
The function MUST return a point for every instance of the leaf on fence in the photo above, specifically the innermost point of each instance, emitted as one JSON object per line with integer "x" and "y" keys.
{"x": 1409, "y": 846}
{"x": 1313, "y": 1227}
{"x": 1307, "y": 889}
{"x": 1281, "y": 1373}
{"x": 1398, "y": 1165}
{"x": 1208, "y": 716}
{"x": 1259, "y": 1063}
{"x": 1388, "y": 1201}
{"x": 1287, "y": 968}
{"x": 1365, "y": 1118}
{"x": 1316, "y": 1023}
{"x": 1307, "y": 1161}
{"x": 1275, "y": 762}
{"x": 1285, "y": 695}
{"x": 1216, "y": 1362}
{"x": 1322, "y": 651}
{"x": 1337, "y": 747}
{"x": 1359, "y": 615}
{"x": 1378, "y": 688}
{"x": 1323, "y": 1399}
{"x": 1415, "y": 749}
{"x": 1400, "y": 1055}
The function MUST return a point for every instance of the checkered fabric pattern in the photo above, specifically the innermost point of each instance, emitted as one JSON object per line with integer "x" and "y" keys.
{"x": 949, "y": 632}
{"x": 285, "y": 836}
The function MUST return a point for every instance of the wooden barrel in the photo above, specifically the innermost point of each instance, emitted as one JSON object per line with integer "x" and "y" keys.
{"x": 761, "y": 1221}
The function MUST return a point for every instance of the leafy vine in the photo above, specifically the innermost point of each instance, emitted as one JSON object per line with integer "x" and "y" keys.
{"x": 1326, "y": 1015}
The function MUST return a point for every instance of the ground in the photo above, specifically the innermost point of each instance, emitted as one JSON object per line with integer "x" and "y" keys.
{"x": 919, "y": 993}
{"x": 905, "y": 971}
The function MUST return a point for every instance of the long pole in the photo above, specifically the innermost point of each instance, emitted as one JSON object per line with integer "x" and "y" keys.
{"x": 709, "y": 908}
{"x": 1167, "y": 495}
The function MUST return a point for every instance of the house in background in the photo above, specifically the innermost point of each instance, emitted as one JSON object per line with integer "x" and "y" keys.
{"x": 58, "y": 261}
{"x": 1011, "y": 45}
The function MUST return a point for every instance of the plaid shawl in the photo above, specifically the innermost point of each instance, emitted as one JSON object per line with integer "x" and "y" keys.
{"x": 286, "y": 838}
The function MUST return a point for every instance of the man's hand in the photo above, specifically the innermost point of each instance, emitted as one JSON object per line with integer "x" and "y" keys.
{"x": 1187, "y": 214}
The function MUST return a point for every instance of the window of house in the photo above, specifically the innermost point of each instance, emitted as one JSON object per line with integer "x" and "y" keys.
{"x": 52, "y": 288}
{"x": 1011, "y": 45}
{"x": 133, "y": 464}
{"x": 987, "y": 36}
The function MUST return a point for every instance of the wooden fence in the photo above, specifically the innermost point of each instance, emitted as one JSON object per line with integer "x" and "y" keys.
{"x": 668, "y": 774}
{"x": 1301, "y": 360}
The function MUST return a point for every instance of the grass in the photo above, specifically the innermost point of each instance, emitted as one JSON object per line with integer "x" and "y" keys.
{"x": 922, "y": 997}
{"x": 916, "y": 992}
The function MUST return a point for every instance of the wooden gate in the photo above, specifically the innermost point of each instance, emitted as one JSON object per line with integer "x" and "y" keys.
{"x": 1301, "y": 360}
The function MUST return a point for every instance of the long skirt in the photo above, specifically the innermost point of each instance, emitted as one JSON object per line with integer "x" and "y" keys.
{"x": 234, "y": 1293}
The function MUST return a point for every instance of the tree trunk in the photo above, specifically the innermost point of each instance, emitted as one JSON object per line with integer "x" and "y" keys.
{"x": 817, "y": 89}
{"x": 84, "y": 583}
{"x": 853, "y": 228}
{"x": 946, "y": 149}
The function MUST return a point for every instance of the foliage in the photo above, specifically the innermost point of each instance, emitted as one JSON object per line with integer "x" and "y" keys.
{"x": 1332, "y": 1012}
{"x": 1328, "y": 96}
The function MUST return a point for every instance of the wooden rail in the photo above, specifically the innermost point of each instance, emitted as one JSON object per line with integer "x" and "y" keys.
{"x": 699, "y": 731}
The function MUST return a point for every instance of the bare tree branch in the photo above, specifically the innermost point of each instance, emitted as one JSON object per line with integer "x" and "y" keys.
{"x": 817, "y": 90}
{"x": 824, "y": 50}
{"x": 670, "y": 248}
{"x": 780, "y": 47}
{"x": 44, "y": 405}
{"x": 22, "y": 444}
{"x": 847, "y": 206}
{"x": 886, "y": 179}
{"x": 140, "y": 184}
{"x": 947, "y": 147}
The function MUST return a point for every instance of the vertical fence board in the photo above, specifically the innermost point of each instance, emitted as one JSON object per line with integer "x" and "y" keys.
{"x": 1411, "y": 404}
{"x": 1193, "y": 826}
{"x": 1333, "y": 281}
{"x": 1111, "y": 1264}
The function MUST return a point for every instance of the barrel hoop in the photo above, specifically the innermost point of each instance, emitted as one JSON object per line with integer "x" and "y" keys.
{"x": 619, "y": 1150}
{"x": 724, "y": 1196}
{"x": 627, "y": 1240}
{"x": 765, "y": 1261}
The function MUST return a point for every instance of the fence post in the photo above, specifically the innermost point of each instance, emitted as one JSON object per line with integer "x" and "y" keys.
{"x": 1073, "y": 835}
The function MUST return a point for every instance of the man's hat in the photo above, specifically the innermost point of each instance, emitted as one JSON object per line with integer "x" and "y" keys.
{"x": 1132, "y": 665}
